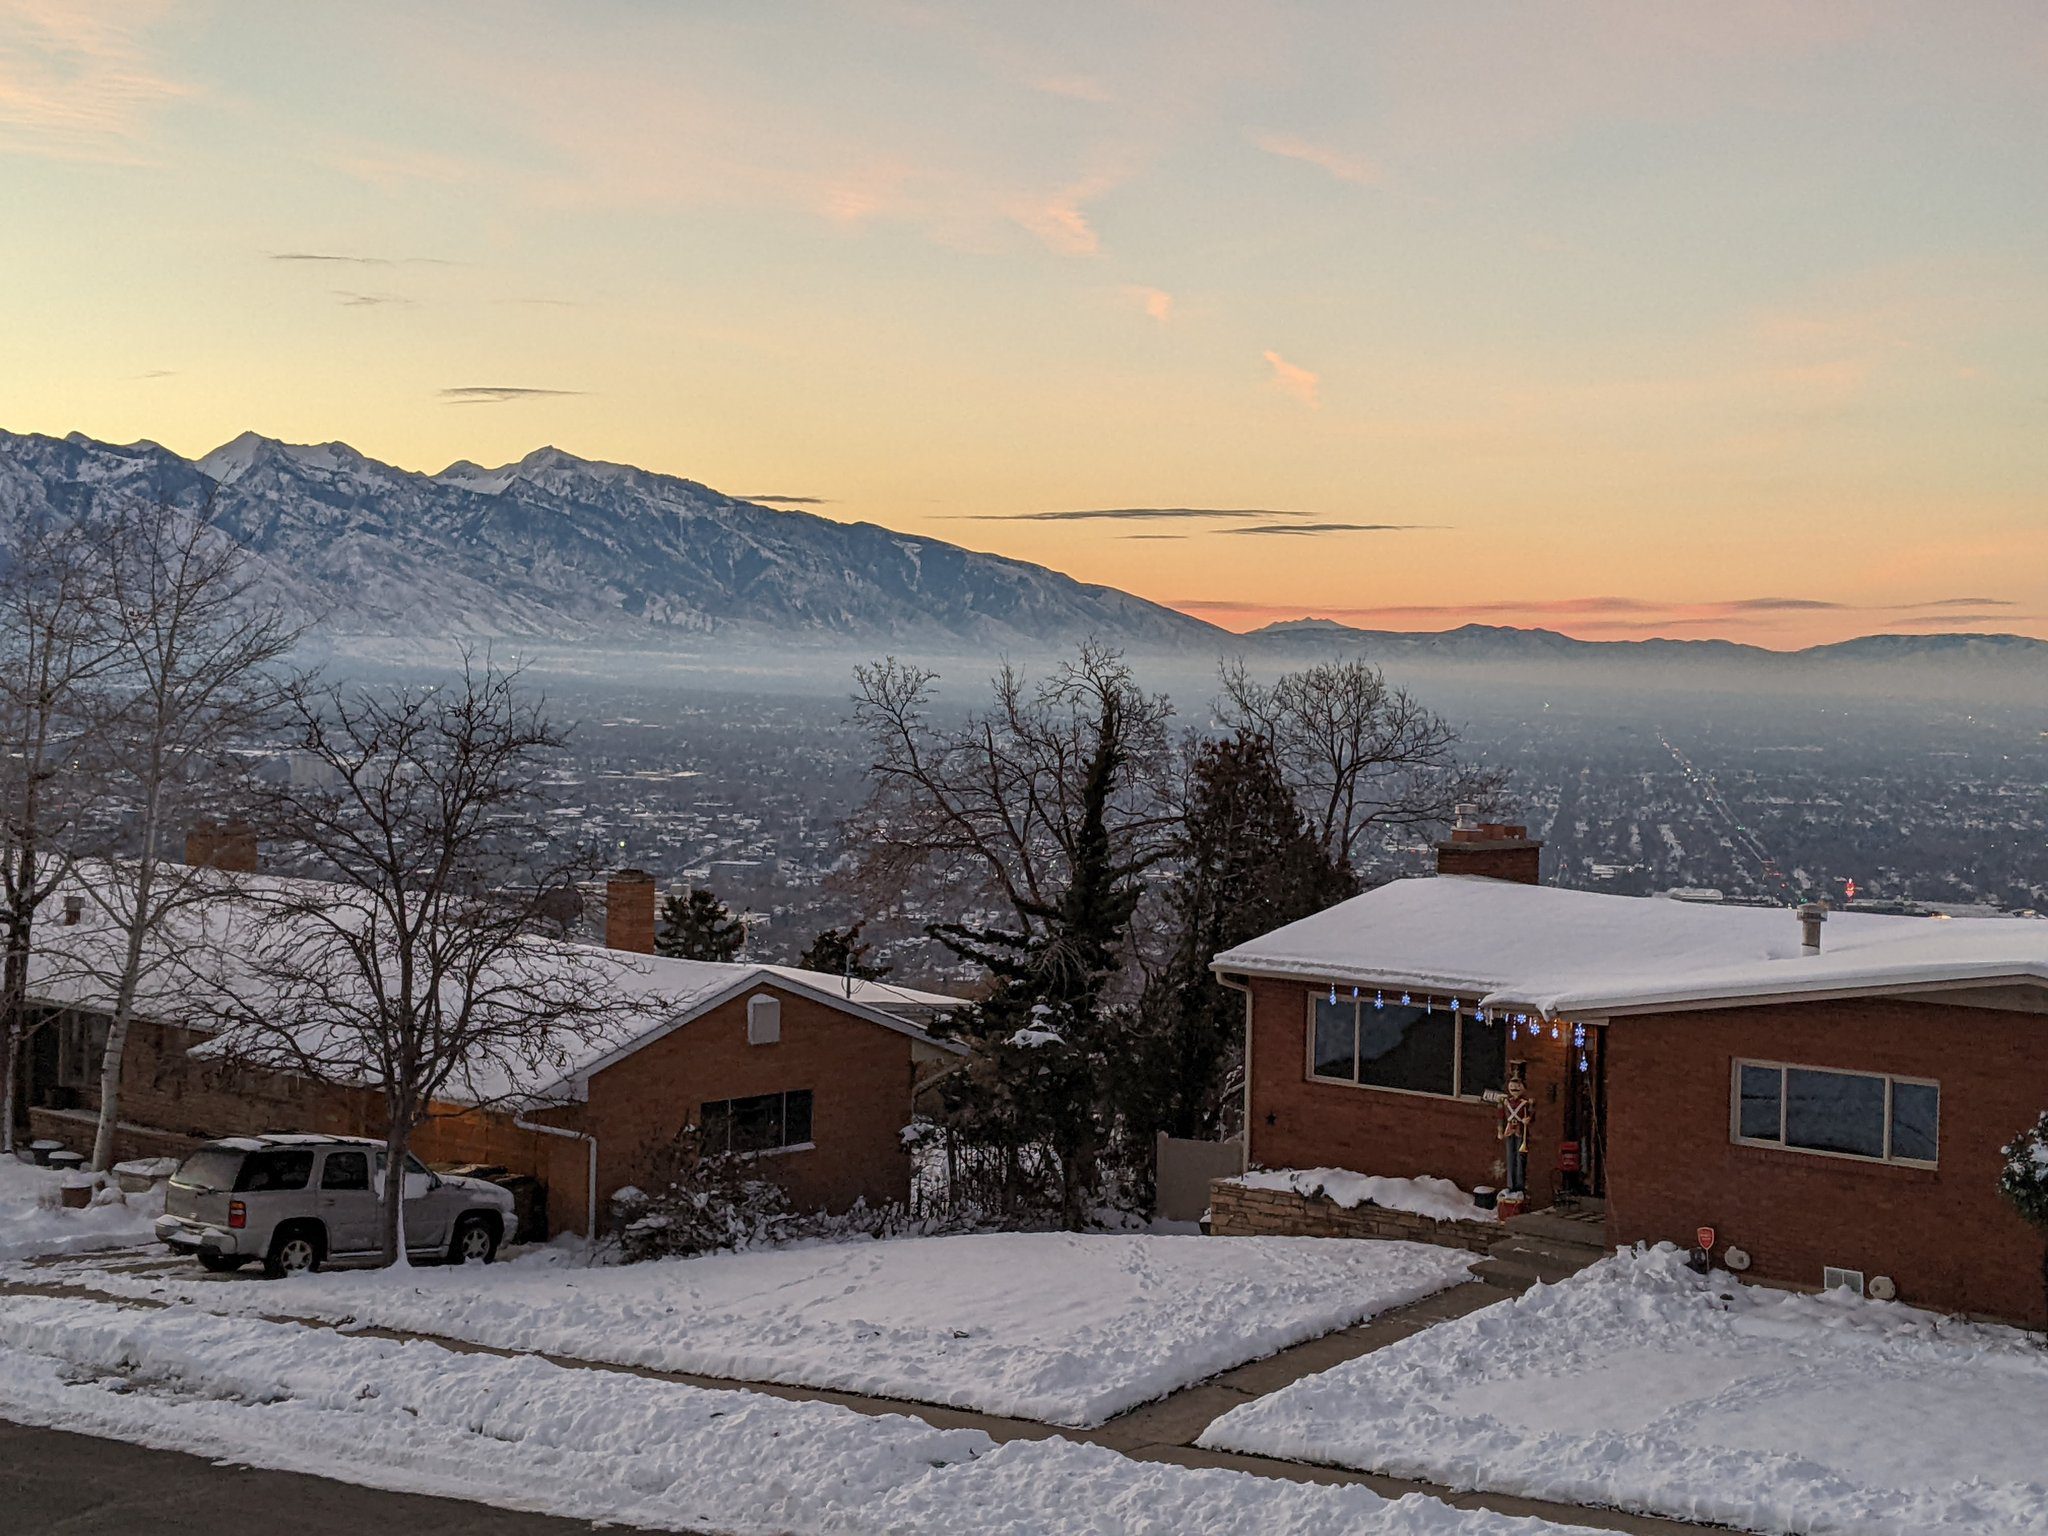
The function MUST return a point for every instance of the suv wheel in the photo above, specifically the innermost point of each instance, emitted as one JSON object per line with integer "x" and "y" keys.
{"x": 476, "y": 1241}
{"x": 294, "y": 1251}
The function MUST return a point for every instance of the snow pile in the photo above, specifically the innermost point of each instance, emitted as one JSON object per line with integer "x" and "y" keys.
{"x": 520, "y": 1433}
{"x": 1066, "y": 1328}
{"x": 34, "y": 1222}
{"x": 1642, "y": 1385}
{"x": 1439, "y": 1199}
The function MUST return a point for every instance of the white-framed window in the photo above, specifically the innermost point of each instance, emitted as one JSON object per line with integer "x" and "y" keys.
{"x": 762, "y": 1122}
{"x": 1874, "y": 1117}
{"x": 1373, "y": 1042}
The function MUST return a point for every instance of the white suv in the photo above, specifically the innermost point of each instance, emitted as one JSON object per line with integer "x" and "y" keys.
{"x": 298, "y": 1202}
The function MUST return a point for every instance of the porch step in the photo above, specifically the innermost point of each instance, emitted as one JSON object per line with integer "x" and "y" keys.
{"x": 1584, "y": 1227}
{"x": 1523, "y": 1258}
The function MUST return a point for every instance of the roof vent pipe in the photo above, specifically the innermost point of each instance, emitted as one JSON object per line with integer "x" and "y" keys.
{"x": 1811, "y": 916}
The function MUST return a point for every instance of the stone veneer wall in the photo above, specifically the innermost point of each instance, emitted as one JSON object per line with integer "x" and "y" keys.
{"x": 1235, "y": 1211}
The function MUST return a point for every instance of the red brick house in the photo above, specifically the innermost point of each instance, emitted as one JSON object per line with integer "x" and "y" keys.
{"x": 813, "y": 1075}
{"x": 1833, "y": 1105}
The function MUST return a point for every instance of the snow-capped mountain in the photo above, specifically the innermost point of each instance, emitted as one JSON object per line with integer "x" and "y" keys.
{"x": 557, "y": 547}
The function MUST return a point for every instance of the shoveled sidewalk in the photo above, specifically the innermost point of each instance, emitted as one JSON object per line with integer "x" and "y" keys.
{"x": 1162, "y": 1431}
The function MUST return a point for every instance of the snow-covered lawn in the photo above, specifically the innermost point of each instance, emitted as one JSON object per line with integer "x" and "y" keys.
{"x": 1060, "y": 1327}
{"x": 34, "y": 1222}
{"x": 521, "y": 1433}
{"x": 1641, "y": 1385}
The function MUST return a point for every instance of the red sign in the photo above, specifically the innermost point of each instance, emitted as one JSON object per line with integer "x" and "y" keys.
{"x": 1567, "y": 1157}
{"x": 1706, "y": 1237}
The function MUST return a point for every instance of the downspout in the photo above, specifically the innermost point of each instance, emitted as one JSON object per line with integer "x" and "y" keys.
{"x": 1245, "y": 1131}
{"x": 590, "y": 1189}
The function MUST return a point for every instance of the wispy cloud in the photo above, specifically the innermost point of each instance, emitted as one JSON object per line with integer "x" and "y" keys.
{"x": 1292, "y": 529}
{"x": 155, "y": 373}
{"x": 498, "y": 394}
{"x": 1131, "y": 514}
{"x": 354, "y": 300}
{"x": 343, "y": 259}
{"x": 1060, "y": 219}
{"x": 1156, "y": 302}
{"x": 1783, "y": 605}
{"x": 787, "y": 501}
{"x": 1293, "y": 380}
{"x": 1073, "y": 87}
{"x": 1963, "y": 602}
{"x": 76, "y": 81}
{"x": 1359, "y": 172}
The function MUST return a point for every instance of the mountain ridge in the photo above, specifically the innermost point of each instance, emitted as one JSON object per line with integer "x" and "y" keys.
{"x": 553, "y": 546}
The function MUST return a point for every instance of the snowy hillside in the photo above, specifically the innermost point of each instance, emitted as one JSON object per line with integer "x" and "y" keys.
{"x": 558, "y": 547}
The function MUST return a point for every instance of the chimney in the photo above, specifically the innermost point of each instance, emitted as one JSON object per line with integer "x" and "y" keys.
{"x": 1811, "y": 916}
{"x": 230, "y": 847}
{"x": 1496, "y": 849}
{"x": 629, "y": 911}
{"x": 74, "y": 910}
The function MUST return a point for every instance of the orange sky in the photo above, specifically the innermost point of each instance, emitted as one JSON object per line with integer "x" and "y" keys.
{"x": 1614, "y": 318}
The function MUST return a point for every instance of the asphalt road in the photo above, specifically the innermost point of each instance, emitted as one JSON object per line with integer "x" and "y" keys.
{"x": 54, "y": 1483}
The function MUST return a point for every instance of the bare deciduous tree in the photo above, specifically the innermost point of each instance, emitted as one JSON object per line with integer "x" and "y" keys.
{"x": 991, "y": 804}
{"x": 1361, "y": 757}
{"x": 52, "y": 655}
{"x": 195, "y": 655}
{"x": 423, "y": 968}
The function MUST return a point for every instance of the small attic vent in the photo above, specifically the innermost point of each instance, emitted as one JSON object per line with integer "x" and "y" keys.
{"x": 1833, "y": 1279}
{"x": 764, "y": 1027}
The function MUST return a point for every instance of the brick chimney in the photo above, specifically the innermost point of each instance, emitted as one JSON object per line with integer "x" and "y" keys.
{"x": 1498, "y": 850}
{"x": 629, "y": 911}
{"x": 230, "y": 846}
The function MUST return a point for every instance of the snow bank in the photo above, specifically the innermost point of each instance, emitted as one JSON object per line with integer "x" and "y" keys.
{"x": 1438, "y": 1199}
{"x": 1065, "y": 1328}
{"x": 33, "y": 1223}
{"x": 523, "y": 1434}
{"x": 1642, "y": 1385}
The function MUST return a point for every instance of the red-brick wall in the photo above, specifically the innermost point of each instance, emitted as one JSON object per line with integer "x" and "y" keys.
{"x": 859, "y": 1075}
{"x": 1942, "y": 1234}
{"x": 1297, "y": 1122}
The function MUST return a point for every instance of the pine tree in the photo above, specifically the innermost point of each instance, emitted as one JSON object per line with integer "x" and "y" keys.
{"x": 1048, "y": 1040}
{"x": 840, "y": 952}
{"x": 698, "y": 927}
{"x": 2023, "y": 1180}
{"x": 1248, "y": 863}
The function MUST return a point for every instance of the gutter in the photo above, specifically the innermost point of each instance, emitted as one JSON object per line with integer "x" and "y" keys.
{"x": 1244, "y": 1133}
{"x": 590, "y": 1188}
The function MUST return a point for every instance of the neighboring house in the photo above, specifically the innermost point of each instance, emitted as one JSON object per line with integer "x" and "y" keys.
{"x": 1833, "y": 1105}
{"x": 812, "y": 1074}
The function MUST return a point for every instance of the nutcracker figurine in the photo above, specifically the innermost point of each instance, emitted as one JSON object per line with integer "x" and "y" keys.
{"x": 1516, "y": 1108}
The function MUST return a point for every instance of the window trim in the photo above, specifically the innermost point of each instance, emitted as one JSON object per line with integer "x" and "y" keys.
{"x": 1889, "y": 1079}
{"x": 1457, "y": 1096}
{"x": 809, "y": 1144}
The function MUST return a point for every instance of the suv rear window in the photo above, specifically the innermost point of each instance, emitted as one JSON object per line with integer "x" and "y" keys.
{"x": 212, "y": 1168}
{"x": 276, "y": 1170}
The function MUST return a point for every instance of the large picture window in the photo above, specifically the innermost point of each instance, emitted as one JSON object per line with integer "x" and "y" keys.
{"x": 1412, "y": 1048}
{"x": 761, "y": 1122}
{"x": 1868, "y": 1115}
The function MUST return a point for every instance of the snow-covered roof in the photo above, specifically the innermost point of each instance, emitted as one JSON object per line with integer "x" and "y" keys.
{"x": 205, "y": 945}
{"x": 1559, "y": 951}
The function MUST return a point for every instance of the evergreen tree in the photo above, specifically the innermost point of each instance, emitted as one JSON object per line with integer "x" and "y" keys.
{"x": 1048, "y": 1039}
{"x": 840, "y": 952}
{"x": 698, "y": 927}
{"x": 1248, "y": 863}
{"x": 2023, "y": 1180}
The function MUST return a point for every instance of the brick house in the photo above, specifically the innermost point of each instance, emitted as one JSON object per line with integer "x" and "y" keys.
{"x": 812, "y": 1074}
{"x": 1828, "y": 1092}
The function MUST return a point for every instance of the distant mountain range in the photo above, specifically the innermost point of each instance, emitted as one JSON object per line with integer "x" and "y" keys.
{"x": 564, "y": 549}
{"x": 560, "y": 548}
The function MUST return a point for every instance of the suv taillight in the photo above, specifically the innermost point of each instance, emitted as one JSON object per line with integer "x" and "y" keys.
{"x": 238, "y": 1214}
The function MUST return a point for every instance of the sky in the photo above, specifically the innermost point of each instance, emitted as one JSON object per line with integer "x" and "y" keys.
{"x": 1618, "y": 317}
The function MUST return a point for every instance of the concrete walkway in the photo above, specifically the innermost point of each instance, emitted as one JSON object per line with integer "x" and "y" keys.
{"x": 1164, "y": 1430}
